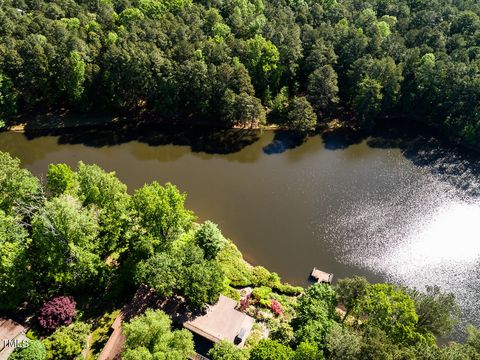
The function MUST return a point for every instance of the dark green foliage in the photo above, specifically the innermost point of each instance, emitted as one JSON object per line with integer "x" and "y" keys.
{"x": 300, "y": 115}
{"x": 161, "y": 272}
{"x": 210, "y": 239}
{"x": 437, "y": 312}
{"x": 203, "y": 283}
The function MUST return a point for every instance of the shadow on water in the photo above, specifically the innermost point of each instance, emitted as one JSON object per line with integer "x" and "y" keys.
{"x": 423, "y": 147}
{"x": 342, "y": 138}
{"x": 199, "y": 139}
{"x": 283, "y": 141}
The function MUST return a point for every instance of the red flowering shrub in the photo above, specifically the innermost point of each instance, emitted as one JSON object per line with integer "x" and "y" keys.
{"x": 244, "y": 303}
{"x": 57, "y": 312}
{"x": 276, "y": 307}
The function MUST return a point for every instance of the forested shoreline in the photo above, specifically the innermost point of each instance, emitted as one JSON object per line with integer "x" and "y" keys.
{"x": 241, "y": 62}
{"x": 75, "y": 247}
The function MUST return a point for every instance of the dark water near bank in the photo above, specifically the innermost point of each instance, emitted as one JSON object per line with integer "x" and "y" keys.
{"x": 390, "y": 210}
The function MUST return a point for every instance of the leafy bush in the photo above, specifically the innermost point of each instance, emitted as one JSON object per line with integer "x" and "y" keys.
{"x": 57, "y": 312}
{"x": 34, "y": 351}
{"x": 261, "y": 293}
{"x": 276, "y": 307}
{"x": 288, "y": 289}
{"x": 67, "y": 342}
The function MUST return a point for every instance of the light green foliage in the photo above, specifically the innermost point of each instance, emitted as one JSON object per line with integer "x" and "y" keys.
{"x": 35, "y": 350}
{"x": 235, "y": 267}
{"x": 391, "y": 310}
{"x": 210, "y": 239}
{"x": 280, "y": 105}
{"x": 161, "y": 213}
{"x": 61, "y": 179}
{"x": 300, "y": 115}
{"x": 75, "y": 76}
{"x": 268, "y": 349}
{"x": 109, "y": 195}
{"x": 473, "y": 338}
{"x": 306, "y": 351}
{"x": 130, "y": 15}
{"x": 261, "y": 293}
{"x": 315, "y": 314}
{"x": 18, "y": 187}
{"x": 67, "y": 342}
{"x": 225, "y": 350}
{"x": 261, "y": 57}
{"x": 149, "y": 336}
{"x": 14, "y": 272}
{"x": 64, "y": 235}
{"x": 437, "y": 312}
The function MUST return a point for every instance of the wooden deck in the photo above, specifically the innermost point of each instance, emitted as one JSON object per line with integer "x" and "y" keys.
{"x": 321, "y": 277}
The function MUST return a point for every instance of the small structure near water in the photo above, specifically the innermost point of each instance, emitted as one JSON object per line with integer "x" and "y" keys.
{"x": 321, "y": 277}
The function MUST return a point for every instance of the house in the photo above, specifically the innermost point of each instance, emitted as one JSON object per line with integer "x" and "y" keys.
{"x": 222, "y": 322}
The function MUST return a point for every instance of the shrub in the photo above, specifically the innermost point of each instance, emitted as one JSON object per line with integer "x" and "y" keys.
{"x": 67, "y": 342}
{"x": 34, "y": 351}
{"x": 57, "y": 312}
{"x": 276, "y": 307}
{"x": 261, "y": 293}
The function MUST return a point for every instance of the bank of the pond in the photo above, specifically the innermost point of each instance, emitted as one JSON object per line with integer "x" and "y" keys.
{"x": 379, "y": 207}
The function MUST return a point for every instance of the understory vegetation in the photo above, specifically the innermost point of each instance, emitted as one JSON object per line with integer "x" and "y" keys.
{"x": 75, "y": 247}
{"x": 245, "y": 62}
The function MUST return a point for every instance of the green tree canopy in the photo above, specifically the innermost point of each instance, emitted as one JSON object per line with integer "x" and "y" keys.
{"x": 391, "y": 310}
{"x": 267, "y": 349}
{"x": 226, "y": 350}
{"x": 210, "y": 239}
{"x": 17, "y": 186}
{"x": 15, "y": 279}
{"x": 64, "y": 242}
{"x": 161, "y": 213}
{"x": 151, "y": 335}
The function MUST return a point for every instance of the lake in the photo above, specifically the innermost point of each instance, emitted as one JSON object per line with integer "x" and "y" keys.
{"x": 404, "y": 212}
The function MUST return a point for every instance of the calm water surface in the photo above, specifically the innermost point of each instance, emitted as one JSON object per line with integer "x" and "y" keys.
{"x": 355, "y": 210}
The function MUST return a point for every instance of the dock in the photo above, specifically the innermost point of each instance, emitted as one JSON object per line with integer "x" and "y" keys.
{"x": 321, "y": 277}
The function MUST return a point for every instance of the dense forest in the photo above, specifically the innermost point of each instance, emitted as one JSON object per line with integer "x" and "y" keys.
{"x": 75, "y": 247}
{"x": 230, "y": 62}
